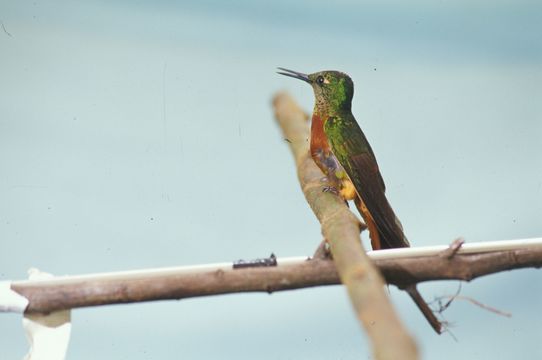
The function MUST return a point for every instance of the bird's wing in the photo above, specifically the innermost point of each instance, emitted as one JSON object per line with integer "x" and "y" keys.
{"x": 359, "y": 162}
{"x": 363, "y": 171}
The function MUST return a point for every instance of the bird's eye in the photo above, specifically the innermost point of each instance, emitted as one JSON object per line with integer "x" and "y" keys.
{"x": 320, "y": 80}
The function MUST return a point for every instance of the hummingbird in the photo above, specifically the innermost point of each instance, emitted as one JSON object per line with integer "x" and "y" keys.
{"x": 341, "y": 150}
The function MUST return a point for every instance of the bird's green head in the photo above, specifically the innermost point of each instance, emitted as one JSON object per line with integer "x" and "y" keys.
{"x": 333, "y": 90}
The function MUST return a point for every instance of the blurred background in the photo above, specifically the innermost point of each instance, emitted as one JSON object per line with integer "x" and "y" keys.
{"x": 140, "y": 134}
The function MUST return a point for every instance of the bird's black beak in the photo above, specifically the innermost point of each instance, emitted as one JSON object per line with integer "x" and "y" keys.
{"x": 294, "y": 74}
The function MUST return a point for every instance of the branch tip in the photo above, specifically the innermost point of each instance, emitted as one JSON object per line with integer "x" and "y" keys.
{"x": 454, "y": 247}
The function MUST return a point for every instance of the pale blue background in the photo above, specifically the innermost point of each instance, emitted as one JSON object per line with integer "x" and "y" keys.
{"x": 140, "y": 134}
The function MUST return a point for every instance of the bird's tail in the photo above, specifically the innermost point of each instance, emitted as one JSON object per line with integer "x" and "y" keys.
{"x": 386, "y": 234}
{"x": 394, "y": 237}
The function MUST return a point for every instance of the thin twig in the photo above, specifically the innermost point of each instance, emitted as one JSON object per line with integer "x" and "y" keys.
{"x": 322, "y": 251}
{"x": 442, "y": 308}
{"x": 453, "y": 298}
{"x": 424, "y": 308}
{"x": 4, "y": 28}
{"x": 453, "y": 248}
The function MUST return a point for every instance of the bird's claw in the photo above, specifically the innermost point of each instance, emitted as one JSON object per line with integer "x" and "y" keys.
{"x": 330, "y": 189}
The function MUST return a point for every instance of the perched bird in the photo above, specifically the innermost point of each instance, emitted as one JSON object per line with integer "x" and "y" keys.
{"x": 341, "y": 150}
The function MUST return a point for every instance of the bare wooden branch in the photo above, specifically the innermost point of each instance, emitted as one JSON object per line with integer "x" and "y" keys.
{"x": 341, "y": 229}
{"x": 74, "y": 292}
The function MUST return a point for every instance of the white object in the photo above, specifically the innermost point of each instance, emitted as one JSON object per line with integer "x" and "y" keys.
{"x": 11, "y": 301}
{"x": 49, "y": 334}
{"x": 467, "y": 248}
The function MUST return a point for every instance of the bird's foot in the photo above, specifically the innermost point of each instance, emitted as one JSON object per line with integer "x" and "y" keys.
{"x": 330, "y": 189}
